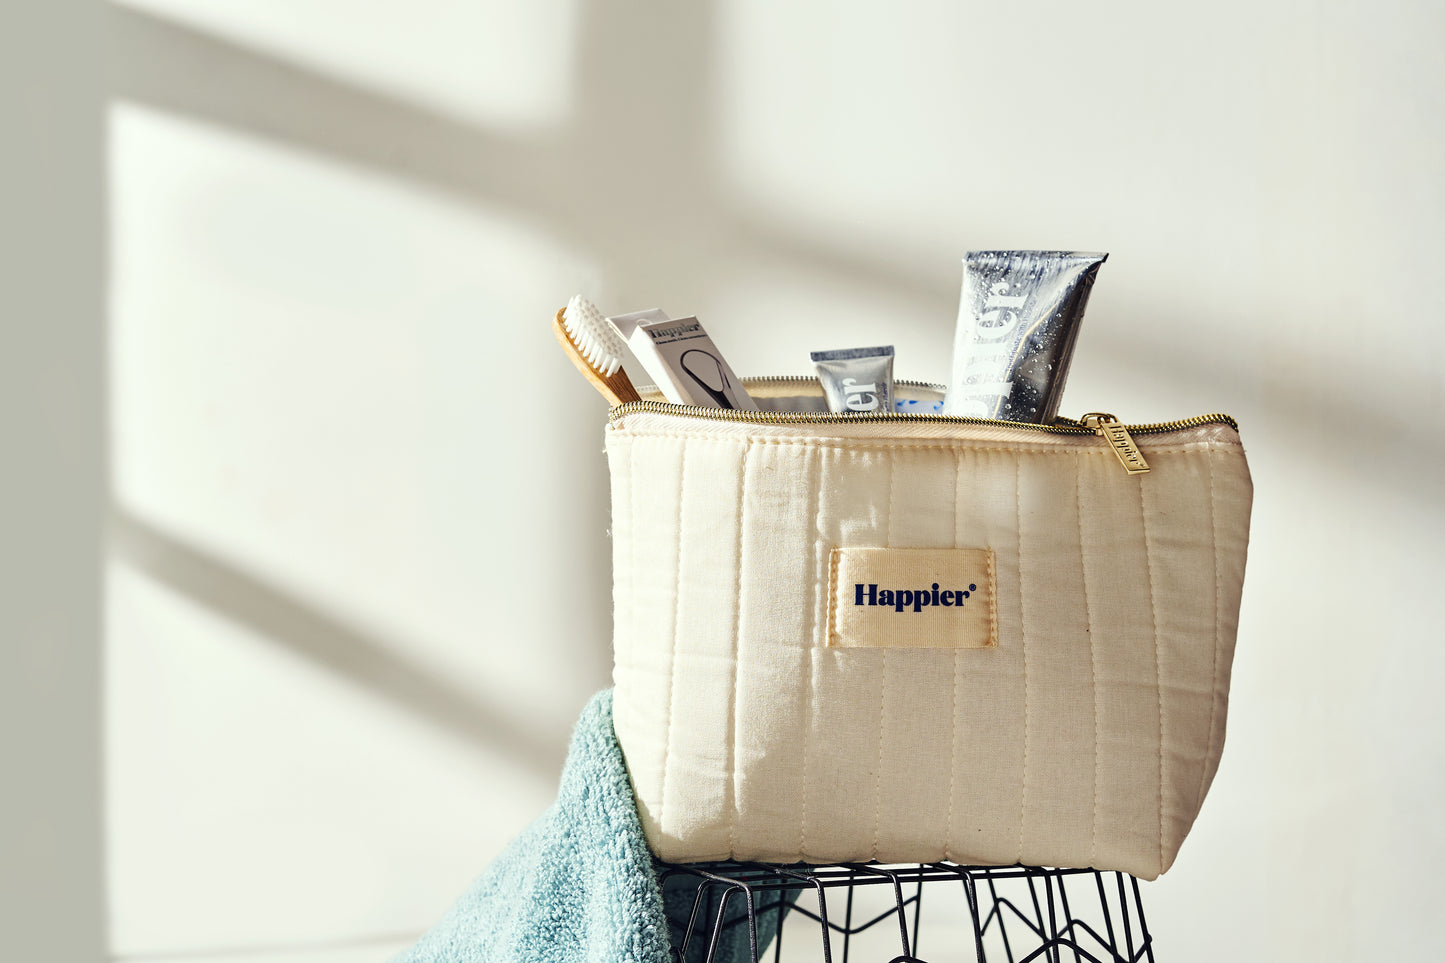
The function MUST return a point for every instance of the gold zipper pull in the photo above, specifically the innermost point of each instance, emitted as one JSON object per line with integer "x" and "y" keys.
{"x": 1106, "y": 426}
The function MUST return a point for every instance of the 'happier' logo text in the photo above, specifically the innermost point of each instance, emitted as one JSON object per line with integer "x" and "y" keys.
{"x": 916, "y": 599}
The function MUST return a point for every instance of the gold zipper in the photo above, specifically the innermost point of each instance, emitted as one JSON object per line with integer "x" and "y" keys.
{"x": 1118, "y": 435}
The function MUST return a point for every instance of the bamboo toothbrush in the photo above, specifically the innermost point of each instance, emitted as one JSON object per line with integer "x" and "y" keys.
{"x": 595, "y": 349}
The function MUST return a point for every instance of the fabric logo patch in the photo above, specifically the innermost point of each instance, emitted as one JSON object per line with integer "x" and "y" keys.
{"x": 919, "y": 598}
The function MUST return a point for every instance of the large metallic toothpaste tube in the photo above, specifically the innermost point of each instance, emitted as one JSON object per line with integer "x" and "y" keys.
{"x": 1018, "y": 318}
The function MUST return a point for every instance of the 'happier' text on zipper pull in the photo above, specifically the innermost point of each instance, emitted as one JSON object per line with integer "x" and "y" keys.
{"x": 1108, "y": 427}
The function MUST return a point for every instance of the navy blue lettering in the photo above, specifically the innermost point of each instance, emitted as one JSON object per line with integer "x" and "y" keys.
{"x": 858, "y": 594}
{"x": 901, "y": 600}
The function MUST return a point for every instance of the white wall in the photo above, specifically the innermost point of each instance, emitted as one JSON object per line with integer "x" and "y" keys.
{"x": 347, "y": 461}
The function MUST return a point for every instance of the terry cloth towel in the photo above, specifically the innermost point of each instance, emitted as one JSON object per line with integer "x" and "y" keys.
{"x": 578, "y": 886}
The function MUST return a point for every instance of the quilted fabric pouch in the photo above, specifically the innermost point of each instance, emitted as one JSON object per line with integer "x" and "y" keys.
{"x": 911, "y": 638}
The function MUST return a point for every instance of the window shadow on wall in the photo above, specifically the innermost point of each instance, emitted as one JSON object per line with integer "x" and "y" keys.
{"x": 590, "y": 183}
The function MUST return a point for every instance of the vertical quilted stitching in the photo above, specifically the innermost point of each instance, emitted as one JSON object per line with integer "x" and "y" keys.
{"x": 625, "y": 658}
{"x": 832, "y": 601}
{"x": 737, "y": 654}
{"x": 1158, "y": 680}
{"x": 1093, "y": 656}
{"x": 883, "y": 687}
{"x": 953, "y": 695}
{"x": 878, "y": 773}
{"x": 1024, "y": 644}
{"x": 672, "y": 649}
{"x": 809, "y": 652}
{"x": 1218, "y": 622}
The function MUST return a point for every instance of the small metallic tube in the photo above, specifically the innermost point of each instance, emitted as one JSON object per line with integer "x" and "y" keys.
{"x": 1018, "y": 318}
{"x": 857, "y": 379}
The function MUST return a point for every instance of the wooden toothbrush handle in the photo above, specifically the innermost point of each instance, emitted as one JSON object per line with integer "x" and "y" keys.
{"x": 617, "y": 389}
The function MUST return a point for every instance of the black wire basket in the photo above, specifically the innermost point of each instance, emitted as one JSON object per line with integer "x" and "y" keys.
{"x": 1014, "y": 913}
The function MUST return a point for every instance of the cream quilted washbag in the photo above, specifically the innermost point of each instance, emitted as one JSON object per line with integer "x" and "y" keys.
{"x": 1044, "y": 682}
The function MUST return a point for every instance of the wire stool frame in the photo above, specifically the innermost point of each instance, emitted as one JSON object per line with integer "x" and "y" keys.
{"x": 1021, "y": 913}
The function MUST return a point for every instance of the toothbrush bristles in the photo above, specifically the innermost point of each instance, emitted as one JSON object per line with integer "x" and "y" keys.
{"x": 595, "y": 339}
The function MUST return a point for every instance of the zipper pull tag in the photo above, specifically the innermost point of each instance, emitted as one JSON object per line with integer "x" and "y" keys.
{"x": 1106, "y": 426}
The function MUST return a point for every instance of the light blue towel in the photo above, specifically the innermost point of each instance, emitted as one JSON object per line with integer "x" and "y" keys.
{"x": 578, "y": 886}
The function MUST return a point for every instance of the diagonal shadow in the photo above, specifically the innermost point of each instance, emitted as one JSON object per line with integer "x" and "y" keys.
{"x": 633, "y": 172}
{"x": 630, "y": 175}
{"x": 328, "y": 641}
{"x": 191, "y": 72}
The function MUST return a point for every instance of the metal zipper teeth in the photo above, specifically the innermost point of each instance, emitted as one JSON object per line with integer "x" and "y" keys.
{"x": 1070, "y": 427}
